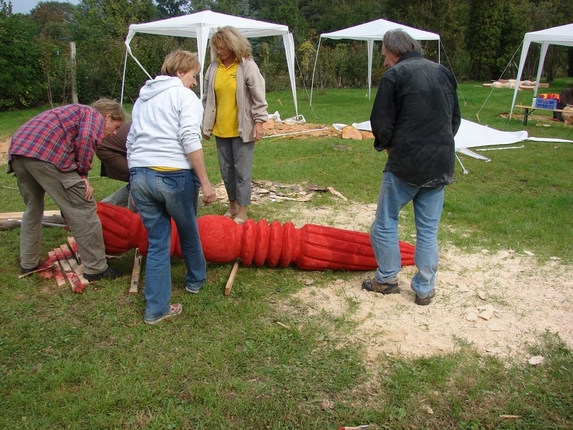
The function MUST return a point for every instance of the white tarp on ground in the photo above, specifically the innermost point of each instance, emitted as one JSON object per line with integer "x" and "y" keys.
{"x": 370, "y": 32}
{"x": 561, "y": 35}
{"x": 473, "y": 135}
{"x": 202, "y": 25}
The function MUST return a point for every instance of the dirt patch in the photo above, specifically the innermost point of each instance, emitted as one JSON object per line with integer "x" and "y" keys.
{"x": 499, "y": 303}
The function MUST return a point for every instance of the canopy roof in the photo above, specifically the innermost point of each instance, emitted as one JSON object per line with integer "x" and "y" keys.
{"x": 202, "y": 25}
{"x": 370, "y": 32}
{"x": 561, "y": 35}
{"x": 375, "y": 30}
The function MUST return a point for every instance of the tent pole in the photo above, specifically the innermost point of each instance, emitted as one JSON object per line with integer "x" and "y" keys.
{"x": 314, "y": 69}
{"x": 123, "y": 79}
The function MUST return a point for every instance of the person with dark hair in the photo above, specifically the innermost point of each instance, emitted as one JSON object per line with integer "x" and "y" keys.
{"x": 414, "y": 118}
{"x": 52, "y": 153}
{"x": 565, "y": 100}
{"x": 167, "y": 169}
{"x": 112, "y": 152}
{"x": 235, "y": 110}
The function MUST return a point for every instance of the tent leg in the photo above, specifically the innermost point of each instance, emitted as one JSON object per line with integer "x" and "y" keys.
{"x": 463, "y": 168}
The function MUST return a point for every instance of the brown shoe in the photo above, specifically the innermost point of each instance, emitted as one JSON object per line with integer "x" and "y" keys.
{"x": 426, "y": 300}
{"x": 383, "y": 288}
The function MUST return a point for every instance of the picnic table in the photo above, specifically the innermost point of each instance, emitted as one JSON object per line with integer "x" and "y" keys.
{"x": 528, "y": 110}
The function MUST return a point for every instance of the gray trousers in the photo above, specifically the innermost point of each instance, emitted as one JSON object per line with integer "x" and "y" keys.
{"x": 121, "y": 197}
{"x": 236, "y": 163}
{"x": 67, "y": 189}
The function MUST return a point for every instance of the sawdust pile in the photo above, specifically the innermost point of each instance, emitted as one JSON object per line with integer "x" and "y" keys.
{"x": 499, "y": 303}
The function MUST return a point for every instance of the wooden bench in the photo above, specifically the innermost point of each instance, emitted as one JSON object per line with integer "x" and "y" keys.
{"x": 529, "y": 110}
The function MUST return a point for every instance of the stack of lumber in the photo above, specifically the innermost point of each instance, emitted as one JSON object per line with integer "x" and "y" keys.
{"x": 510, "y": 83}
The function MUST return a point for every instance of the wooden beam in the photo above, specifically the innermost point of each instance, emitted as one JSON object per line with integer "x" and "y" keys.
{"x": 4, "y": 216}
{"x": 135, "y": 272}
{"x": 231, "y": 279}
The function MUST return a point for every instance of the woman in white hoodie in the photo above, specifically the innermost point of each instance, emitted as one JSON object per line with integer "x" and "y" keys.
{"x": 167, "y": 168}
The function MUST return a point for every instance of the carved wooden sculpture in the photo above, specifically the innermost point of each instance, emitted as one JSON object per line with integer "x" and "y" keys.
{"x": 311, "y": 247}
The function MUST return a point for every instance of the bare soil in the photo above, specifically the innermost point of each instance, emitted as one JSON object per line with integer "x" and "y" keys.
{"x": 500, "y": 303}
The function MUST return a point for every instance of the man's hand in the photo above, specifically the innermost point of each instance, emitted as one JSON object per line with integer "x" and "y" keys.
{"x": 89, "y": 189}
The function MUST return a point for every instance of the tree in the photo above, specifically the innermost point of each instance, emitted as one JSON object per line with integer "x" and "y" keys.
{"x": 99, "y": 28}
{"x": 21, "y": 83}
{"x": 483, "y": 37}
{"x": 52, "y": 19}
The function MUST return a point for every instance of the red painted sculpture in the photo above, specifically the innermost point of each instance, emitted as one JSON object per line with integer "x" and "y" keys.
{"x": 311, "y": 247}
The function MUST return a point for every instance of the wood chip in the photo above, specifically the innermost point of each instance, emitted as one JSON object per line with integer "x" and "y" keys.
{"x": 486, "y": 312}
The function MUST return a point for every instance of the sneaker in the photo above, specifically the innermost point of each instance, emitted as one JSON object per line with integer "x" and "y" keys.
{"x": 384, "y": 288}
{"x": 426, "y": 300}
{"x": 24, "y": 271}
{"x": 192, "y": 291}
{"x": 174, "y": 310}
{"x": 109, "y": 273}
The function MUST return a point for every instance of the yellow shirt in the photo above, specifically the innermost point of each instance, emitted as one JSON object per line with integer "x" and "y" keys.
{"x": 225, "y": 86}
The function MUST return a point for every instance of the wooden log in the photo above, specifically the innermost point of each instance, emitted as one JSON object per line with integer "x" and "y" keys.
{"x": 74, "y": 249}
{"x": 231, "y": 279}
{"x": 76, "y": 268}
{"x": 350, "y": 132}
{"x": 60, "y": 280}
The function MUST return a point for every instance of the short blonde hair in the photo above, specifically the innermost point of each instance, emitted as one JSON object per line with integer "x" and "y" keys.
{"x": 231, "y": 38}
{"x": 180, "y": 61}
{"x": 109, "y": 107}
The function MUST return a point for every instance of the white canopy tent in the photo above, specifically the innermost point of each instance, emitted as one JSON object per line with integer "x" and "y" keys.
{"x": 370, "y": 32}
{"x": 473, "y": 135}
{"x": 561, "y": 35}
{"x": 202, "y": 25}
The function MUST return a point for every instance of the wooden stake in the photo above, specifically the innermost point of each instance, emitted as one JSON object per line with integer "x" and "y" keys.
{"x": 135, "y": 272}
{"x": 232, "y": 276}
{"x": 41, "y": 269}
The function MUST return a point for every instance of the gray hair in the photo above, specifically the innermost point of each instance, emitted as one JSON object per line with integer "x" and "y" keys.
{"x": 398, "y": 42}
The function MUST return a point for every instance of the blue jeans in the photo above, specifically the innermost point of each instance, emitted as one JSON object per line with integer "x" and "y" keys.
{"x": 160, "y": 197}
{"x": 428, "y": 203}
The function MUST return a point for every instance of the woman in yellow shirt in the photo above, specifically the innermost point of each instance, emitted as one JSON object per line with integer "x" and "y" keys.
{"x": 235, "y": 110}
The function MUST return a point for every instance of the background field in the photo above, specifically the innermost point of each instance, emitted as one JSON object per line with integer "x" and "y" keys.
{"x": 262, "y": 357}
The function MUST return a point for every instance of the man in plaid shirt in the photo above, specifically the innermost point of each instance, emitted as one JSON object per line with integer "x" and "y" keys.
{"x": 52, "y": 153}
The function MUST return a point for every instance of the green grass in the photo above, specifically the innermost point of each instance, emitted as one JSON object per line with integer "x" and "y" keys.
{"x": 240, "y": 362}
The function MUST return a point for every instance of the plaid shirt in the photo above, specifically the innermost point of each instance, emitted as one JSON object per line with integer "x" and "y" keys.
{"x": 65, "y": 136}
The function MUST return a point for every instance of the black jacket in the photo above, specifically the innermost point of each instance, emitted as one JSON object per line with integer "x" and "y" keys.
{"x": 416, "y": 114}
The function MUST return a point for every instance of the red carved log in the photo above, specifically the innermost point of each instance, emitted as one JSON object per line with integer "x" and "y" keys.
{"x": 311, "y": 247}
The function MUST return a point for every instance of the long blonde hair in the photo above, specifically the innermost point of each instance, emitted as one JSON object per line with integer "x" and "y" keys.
{"x": 231, "y": 38}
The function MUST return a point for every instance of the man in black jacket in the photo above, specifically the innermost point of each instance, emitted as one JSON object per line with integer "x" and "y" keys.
{"x": 414, "y": 118}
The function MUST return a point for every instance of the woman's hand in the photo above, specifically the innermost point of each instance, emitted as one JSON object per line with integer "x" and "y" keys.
{"x": 209, "y": 195}
{"x": 258, "y": 130}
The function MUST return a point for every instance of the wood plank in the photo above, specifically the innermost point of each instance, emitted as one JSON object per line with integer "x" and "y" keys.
{"x": 4, "y": 216}
{"x": 135, "y": 272}
{"x": 231, "y": 279}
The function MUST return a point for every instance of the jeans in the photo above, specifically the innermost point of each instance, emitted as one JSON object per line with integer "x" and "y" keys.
{"x": 122, "y": 197}
{"x": 428, "y": 203}
{"x": 160, "y": 197}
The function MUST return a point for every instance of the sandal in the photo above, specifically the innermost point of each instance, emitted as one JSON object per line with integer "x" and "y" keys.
{"x": 228, "y": 214}
{"x": 239, "y": 220}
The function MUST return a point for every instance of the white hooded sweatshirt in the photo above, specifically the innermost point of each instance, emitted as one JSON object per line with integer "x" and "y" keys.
{"x": 166, "y": 125}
